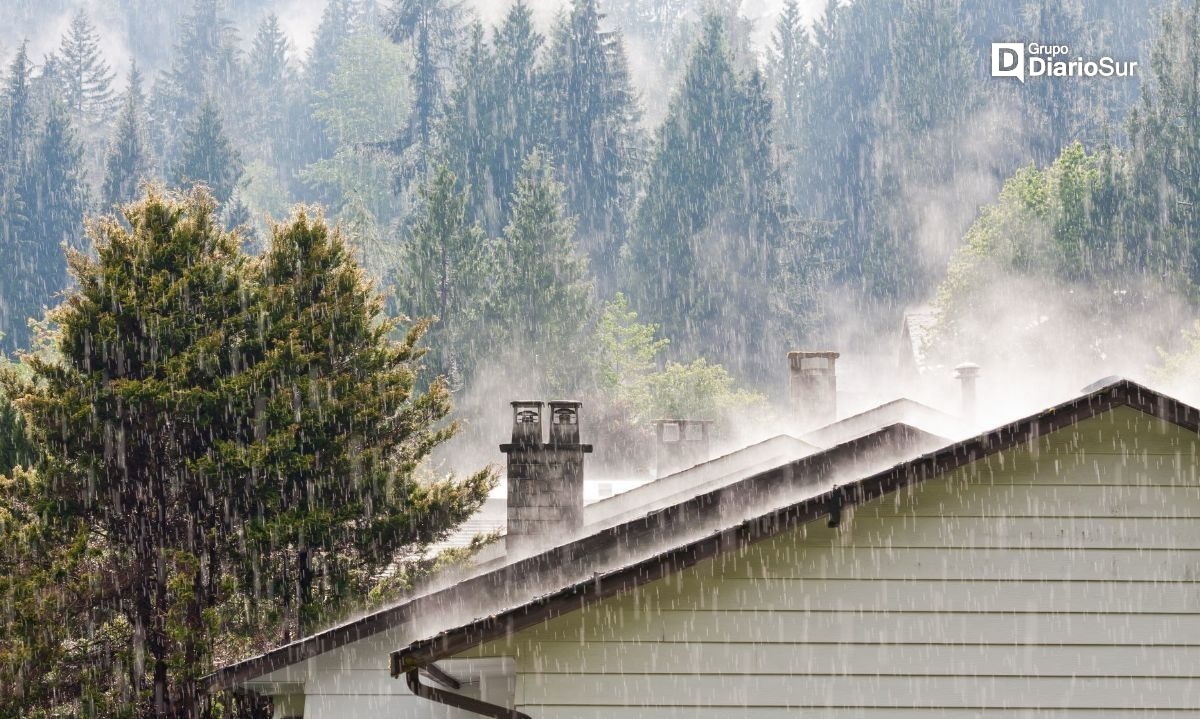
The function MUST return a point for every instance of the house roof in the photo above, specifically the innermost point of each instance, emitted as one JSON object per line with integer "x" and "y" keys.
{"x": 503, "y": 599}
{"x": 505, "y": 583}
{"x": 1115, "y": 393}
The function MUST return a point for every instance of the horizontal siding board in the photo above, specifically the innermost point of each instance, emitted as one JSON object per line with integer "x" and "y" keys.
{"x": 736, "y": 593}
{"x": 937, "y": 563}
{"x": 854, "y": 627}
{"x": 545, "y": 711}
{"x": 859, "y": 691}
{"x": 1067, "y": 532}
{"x": 718, "y": 659}
{"x": 765, "y": 627}
{"x": 940, "y": 498}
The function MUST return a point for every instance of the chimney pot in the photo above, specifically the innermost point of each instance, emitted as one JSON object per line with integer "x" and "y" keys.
{"x": 966, "y": 373}
{"x": 681, "y": 443}
{"x": 813, "y": 387}
{"x": 564, "y": 422}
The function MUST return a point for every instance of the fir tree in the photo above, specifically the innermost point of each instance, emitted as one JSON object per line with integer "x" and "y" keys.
{"x": 14, "y": 162}
{"x": 53, "y": 193}
{"x": 350, "y": 502}
{"x": 709, "y": 222}
{"x": 593, "y": 116}
{"x": 446, "y": 276}
{"x": 128, "y": 163}
{"x": 270, "y": 89}
{"x": 87, "y": 79}
{"x": 171, "y": 430}
{"x": 204, "y": 65}
{"x": 789, "y": 67}
{"x": 431, "y": 26}
{"x": 543, "y": 294}
{"x": 467, "y": 129}
{"x": 207, "y": 156}
{"x": 515, "y": 100}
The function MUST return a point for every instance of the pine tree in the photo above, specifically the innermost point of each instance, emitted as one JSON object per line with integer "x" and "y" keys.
{"x": 14, "y": 162}
{"x": 204, "y": 65}
{"x": 87, "y": 79}
{"x": 207, "y": 156}
{"x": 52, "y": 195}
{"x": 515, "y": 101}
{"x": 446, "y": 276}
{"x": 543, "y": 294}
{"x": 431, "y": 26}
{"x": 467, "y": 129}
{"x": 128, "y": 164}
{"x": 710, "y": 221}
{"x": 350, "y": 502}
{"x": 1161, "y": 216}
{"x": 270, "y": 90}
{"x": 789, "y": 68}
{"x": 593, "y": 117}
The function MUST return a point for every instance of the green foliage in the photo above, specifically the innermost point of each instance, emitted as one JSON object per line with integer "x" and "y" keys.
{"x": 207, "y": 156}
{"x": 232, "y": 433}
{"x": 592, "y": 118}
{"x": 711, "y": 219}
{"x": 351, "y": 503}
{"x": 627, "y": 355}
{"x": 447, "y": 269}
{"x": 128, "y": 164}
{"x": 542, "y": 298}
{"x": 87, "y": 79}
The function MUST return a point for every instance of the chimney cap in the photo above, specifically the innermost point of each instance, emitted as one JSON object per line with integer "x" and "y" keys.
{"x": 684, "y": 421}
{"x": 565, "y": 403}
{"x": 820, "y": 353}
{"x": 966, "y": 369}
{"x": 527, "y": 403}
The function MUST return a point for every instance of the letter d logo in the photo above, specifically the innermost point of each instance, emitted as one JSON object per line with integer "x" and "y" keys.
{"x": 1008, "y": 60}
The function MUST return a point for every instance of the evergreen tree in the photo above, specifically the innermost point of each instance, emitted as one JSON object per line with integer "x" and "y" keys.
{"x": 593, "y": 117}
{"x": 350, "y": 502}
{"x": 432, "y": 29}
{"x": 128, "y": 163}
{"x": 53, "y": 195}
{"x": 709, "y": 222}
{"x": 789, "y": 68}
{"x": 172, "y": 430}
{"x": 514, "y": 106}
{"x": 467, "y": 129}
{"x": 447, "y": 271}
{"x": 270, "y": 89}
{"x": 87, "y": 79}
{"x": 1161, "y": 216}
{"x": 207, "y": 156}
{"x": 543, "y": 294}
{"x": 14, "y": 161}
{"x": 204, "y": 65}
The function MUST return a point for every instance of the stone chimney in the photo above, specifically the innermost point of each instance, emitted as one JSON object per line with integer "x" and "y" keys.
{"x": 813, "y": 387}
{"x": 681, "y": 443}
{"x": 545, "y": 479}
{"x": 966, "y": 373}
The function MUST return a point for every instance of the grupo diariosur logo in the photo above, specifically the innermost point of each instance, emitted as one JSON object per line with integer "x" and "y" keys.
{"x": 1029, "y": 60}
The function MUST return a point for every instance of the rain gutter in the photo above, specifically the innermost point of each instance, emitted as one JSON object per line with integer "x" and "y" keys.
{"x": 458, "y": 701}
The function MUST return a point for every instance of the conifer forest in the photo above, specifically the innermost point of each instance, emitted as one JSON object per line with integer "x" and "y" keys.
{"x": 271, "y": 271}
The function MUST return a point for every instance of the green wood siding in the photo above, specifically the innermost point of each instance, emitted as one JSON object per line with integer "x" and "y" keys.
{"x": 1061, "y": 579}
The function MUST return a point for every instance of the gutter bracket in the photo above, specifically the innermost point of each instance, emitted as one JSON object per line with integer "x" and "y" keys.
{"x": 458, "y": 701}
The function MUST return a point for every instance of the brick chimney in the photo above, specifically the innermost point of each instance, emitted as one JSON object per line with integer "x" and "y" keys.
{"x": 681, "y": 443}
{"x": 545, "y": 480}
{"x": 813, "y": 387}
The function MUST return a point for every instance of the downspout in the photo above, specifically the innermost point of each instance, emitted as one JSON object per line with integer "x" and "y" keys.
{"x": 458, "y": 701}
